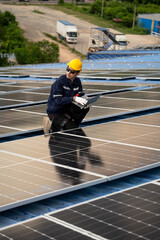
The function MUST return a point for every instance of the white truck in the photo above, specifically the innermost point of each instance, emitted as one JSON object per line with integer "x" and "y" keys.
{"x": 121, "y": 38}
{"x": 122, "y": 42}
{"x": 67, "y": 31}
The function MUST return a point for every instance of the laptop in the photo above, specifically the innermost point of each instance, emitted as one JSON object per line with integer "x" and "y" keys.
{"x": 91, "y": 100}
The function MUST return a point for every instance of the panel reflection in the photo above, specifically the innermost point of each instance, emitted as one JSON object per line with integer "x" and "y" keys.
{"x": 73, "y": 150}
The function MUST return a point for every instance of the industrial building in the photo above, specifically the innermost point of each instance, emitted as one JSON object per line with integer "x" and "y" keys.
{"x": 150, "y": 22}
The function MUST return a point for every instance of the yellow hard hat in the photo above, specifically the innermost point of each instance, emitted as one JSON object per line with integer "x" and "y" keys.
{"x": 75, "y": 64}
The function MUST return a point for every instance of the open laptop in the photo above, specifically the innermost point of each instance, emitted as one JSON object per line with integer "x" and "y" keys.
{"x": 90, "y": 100}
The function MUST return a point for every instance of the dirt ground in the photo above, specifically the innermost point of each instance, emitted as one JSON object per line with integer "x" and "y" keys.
{"x": 35, "y": 25}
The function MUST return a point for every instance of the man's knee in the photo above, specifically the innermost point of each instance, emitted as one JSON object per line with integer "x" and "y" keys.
{"x": 62, "y": 122}
{"x": 70, "y": 125}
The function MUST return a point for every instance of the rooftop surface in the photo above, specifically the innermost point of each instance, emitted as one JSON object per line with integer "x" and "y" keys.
{"x": 109, "y": 161}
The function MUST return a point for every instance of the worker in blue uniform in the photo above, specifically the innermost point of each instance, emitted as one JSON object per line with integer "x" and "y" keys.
{"x": 62, "y": 113}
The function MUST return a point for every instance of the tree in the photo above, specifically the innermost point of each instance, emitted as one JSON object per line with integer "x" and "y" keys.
{"x": 61, "y": 2}
{"x": 12, "y": 41}
{"x": 40, "y": 52}
{"x": 3, "y": 60}
{"x": 8, "y": 26}
{"x": 6, "y": 18}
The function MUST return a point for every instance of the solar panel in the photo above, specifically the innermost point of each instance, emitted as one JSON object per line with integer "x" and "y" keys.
{"x": 126, "y": 134}
{"x": 97, "y": 111}
{"x": 27, "y": 84}
{"x": 153, "y": 89}
{"x": 21, "y": 71}
{"x": 32, "y": 95}
{"x": 125, "y": 103}
{"x": 123, "y": 75}
{"x": 20, "y": 121}
{"x": 4, "y": 82}
{"x": 139, "y": 95}
{"x": 27, "y": 96}
{"x": 42, "y": 228}
{"x": 31, "y": 118}
{"x": 5, "y": 131}
{"x": 106, "y": 106}
{"x": 150, "y": 120}
{"x": 26, "y": 179}
{"x": 129, "y": 214}
{"x": 9, "y": 102}
{"x": 37, "y": 168}
{"x": 99, "y": 69}
{"x": 105, "y": 157}
{"x": 93, "y": 88}
{"x": 11, "y": 87}
{"x": 13, "y": 74}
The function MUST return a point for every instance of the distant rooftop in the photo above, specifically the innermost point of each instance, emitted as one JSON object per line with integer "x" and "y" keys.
{"x": 153, "y": 16}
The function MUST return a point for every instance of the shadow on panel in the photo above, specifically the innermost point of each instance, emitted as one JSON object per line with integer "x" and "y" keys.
{"x": 71, "y": 153}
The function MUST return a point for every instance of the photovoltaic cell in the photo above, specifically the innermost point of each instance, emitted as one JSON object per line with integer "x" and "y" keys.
{"x": 150, "y": 119}
{"x": 131, "y": 134}
{"x": 19, "y": 87}
{"x": 124, "y": 103}
{"x": 29, "y": 118}
{"x": 32, "y": 94}
{"x": 139, "y": 95}
{"x": 153, "y": 89}
{"x": 65, "y": 162}
{"x": 18, "y": 83}
{"x": 26, "y": 179}
{"x": 106, "y": 106}
{"x": 12, "y": 87}
{"x": 82, "y": 155}
{"x": 27, "y": 96}
{"x": 131, "y": 214}
{"x": 42, "y": 228}
{"x": 8, "y": 102}
{"x": 22, "y": 120}
{"x": 5, "y": 131}
{"x": 98, "y": 111}
{"x": 96, "y": 88}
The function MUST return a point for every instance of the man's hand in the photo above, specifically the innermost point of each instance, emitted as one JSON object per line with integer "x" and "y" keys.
{"x": 80, "y": 100}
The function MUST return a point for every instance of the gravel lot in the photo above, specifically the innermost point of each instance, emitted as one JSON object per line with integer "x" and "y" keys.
{"x": 34, "y": 25}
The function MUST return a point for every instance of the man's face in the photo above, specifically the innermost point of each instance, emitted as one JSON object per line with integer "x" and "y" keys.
{"x": 71, "y": 73}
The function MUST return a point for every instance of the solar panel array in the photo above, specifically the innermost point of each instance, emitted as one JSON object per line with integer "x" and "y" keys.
{"x": 17, "y": 94}
{"x": 26, "y": 107}
{"x": 141, "y": 65}
{"x": 76, "y": 158}
{"x": 129, "y": 214}
{"x": 40, "y": 167}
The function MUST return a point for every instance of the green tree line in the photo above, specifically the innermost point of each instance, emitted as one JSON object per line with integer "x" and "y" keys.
{"x": 13, "y": 42}
{"x": 122, "y": 10}
{"x": 143, "y": 1}
{"x": 110, "y": 10}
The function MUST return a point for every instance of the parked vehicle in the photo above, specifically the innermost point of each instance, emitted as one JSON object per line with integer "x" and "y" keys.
{"x": 67, "y": 31}
{"x": 121, "y": 38}
{"x": 102, "y": 39}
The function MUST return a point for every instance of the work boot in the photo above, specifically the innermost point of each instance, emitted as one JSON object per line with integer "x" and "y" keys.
{"x": 46, "y": 125}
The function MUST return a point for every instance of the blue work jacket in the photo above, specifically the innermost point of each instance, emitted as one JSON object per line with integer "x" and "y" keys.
{"x": 62, "y": 93}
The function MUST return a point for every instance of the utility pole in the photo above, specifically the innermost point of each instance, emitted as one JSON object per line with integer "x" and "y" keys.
{"x": 134, "y": 16}
{"x": 102, "y": 8}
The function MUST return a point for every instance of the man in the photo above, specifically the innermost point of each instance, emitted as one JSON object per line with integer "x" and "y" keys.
{"x": 65, "y": 93}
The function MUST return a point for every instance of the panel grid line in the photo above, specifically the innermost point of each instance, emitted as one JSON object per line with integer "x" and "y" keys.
{"x": 75, "y": 228}
{"x": 54, "y": 164}
{"x": 118, "y": 142}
